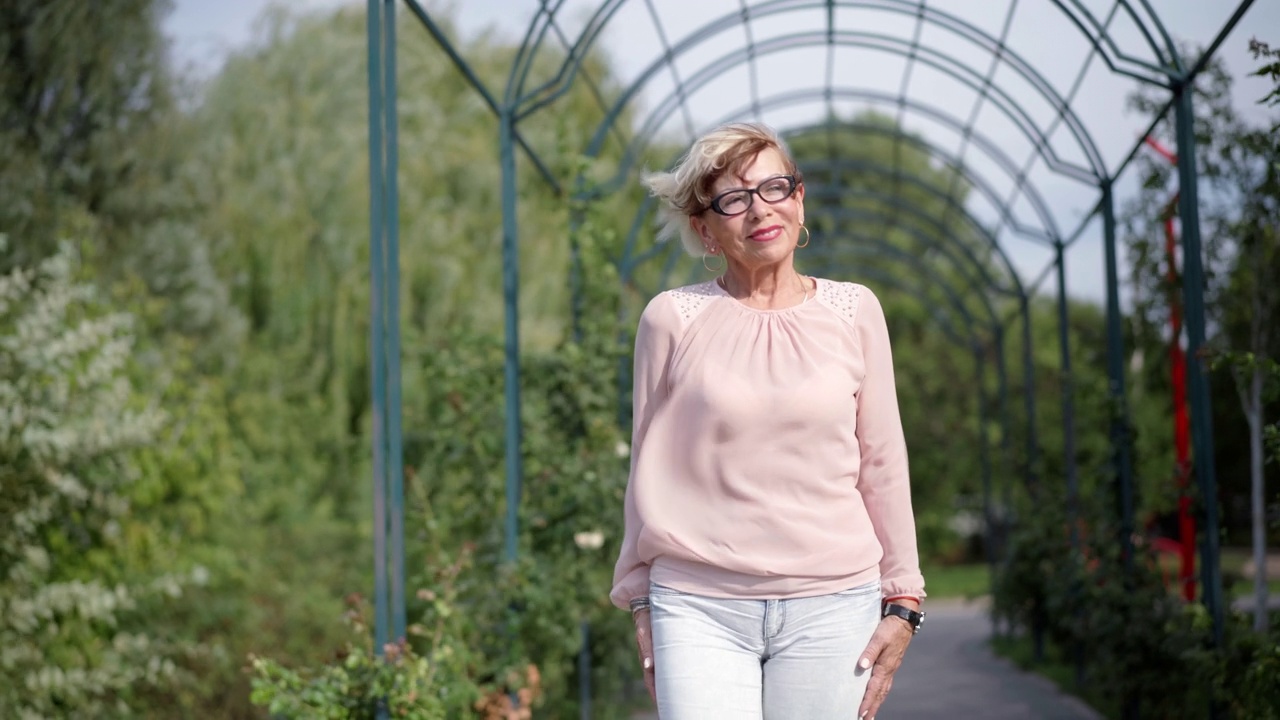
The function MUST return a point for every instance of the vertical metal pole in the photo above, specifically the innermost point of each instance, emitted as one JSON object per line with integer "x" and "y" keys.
{"x": 1005, "y": 522}
{"x": 1197, "y": 375}
{"x": 1064, "y": 341}
{"x": 1029, "y": 400}
{"x": 1120, "y": 455}
{"x": 1115, "y": 375}
{"x": 377, "y": 366}
{"x": 1068, "y": 402}
{"x": 1069, "y": 432}
{"x": 391, "y": 199}
{"x": 511, "y": 304}
{"x": 1033, "y": 442}
{"x": 984, "y": 463}
{"x": 1006, "y": 452}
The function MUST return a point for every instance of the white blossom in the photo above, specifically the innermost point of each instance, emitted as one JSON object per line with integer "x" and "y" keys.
{"x": 67, "y": 410}
{"x": 589, "y": 540}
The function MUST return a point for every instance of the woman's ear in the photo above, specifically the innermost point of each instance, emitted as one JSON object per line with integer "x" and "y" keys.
{"x": 700, "y": 226}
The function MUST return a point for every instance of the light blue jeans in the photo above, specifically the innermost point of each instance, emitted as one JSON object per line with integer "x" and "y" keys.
{"x": 761, "y": 659}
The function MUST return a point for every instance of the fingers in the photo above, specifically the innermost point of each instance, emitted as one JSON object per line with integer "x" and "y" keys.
{"x": 644, "y": 647}
{"x": 877, "y": 692}
{"x": 644, "y": 639}
{"x": 875, "y": 646}
{"x": 887, "y": 644}
{"x": 882, "y": 657}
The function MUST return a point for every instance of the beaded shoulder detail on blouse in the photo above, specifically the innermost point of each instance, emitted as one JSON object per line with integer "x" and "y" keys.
{"x": 693, "y": 299}
{"x": 842, "y": 297}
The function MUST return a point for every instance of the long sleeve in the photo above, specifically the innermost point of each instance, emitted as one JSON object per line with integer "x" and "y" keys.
{"x": 656, "y": 338}
{"x": 884, "y": 480}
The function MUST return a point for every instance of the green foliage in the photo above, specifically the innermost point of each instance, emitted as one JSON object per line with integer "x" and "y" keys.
{"x": 1270, "y": 69}
{"x": 1240, "y": 213}
{"x": 574, "y": 471}
{"x": 80, "y": 83}
{"x": 475, "y": 630}
{"x": 221, "y": 434}
{"x": 1139, "y": 643}
{"x": 361, "y": 679}
{"x": 72, "y": 637}
{"x": 351, "y": 688}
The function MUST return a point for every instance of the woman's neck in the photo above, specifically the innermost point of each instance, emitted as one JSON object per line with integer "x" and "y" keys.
{"x": 766, "y": 288}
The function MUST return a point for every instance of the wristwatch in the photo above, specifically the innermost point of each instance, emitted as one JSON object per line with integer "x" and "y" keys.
{"x": 914, "y": 618}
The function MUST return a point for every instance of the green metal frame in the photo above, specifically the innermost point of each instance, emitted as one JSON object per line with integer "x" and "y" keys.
{"x": 526, "y": 97}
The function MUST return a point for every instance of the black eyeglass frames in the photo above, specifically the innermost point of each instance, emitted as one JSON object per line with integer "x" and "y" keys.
{"x": 773, "y": 190}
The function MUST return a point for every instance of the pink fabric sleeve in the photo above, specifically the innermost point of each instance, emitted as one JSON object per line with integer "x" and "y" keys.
{"x": 656, "y": 338}
{"x": 884, "y": 479}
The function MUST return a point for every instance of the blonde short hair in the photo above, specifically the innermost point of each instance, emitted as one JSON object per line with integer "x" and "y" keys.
{"x": 685, "y": 190}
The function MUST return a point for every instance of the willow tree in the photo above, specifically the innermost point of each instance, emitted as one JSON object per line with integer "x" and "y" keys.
{"x": 79, "y": 84}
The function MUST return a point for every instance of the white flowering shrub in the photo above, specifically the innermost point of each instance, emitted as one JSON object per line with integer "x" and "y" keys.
{"x": 70, "y": 644}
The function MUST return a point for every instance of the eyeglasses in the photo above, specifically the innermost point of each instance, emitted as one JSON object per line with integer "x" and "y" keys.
{"x": 774, "y": 190}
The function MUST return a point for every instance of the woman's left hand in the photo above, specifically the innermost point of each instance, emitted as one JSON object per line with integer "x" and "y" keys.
{"x": 883, "y": 655}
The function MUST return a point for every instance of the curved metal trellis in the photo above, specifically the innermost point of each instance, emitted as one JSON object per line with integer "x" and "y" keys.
{"x": 1152, "y": 60}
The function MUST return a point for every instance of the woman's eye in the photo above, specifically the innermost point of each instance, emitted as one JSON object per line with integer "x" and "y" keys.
{"x": 775, "y": 188}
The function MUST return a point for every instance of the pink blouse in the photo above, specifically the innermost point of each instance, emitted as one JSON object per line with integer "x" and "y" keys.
{"x": 767, "y": 453}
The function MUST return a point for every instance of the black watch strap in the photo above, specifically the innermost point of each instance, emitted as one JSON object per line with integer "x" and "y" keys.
{"x": 914, "y": 618}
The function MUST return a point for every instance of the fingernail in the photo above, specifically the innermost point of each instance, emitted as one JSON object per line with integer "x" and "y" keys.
{"x": 864, "y": 714}
{"x": 648, "y": 663}
{"x": 864, "y": 663}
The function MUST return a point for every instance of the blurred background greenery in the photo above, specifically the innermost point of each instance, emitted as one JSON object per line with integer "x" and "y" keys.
{"x": 184, "y": 395}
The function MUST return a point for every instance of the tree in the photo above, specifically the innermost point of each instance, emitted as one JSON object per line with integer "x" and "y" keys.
{"x": 1240, "y": 206}
{"x": 1270, "y": 69}
{"x": 79, "y": 83}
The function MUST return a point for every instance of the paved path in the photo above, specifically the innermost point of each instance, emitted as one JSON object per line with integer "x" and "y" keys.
{"x": 950, "y": 673}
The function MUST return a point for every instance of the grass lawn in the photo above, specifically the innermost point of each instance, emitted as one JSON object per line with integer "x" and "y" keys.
{"x": 1234, "y": 583}
{"x": 972, "y": 580}
{"x": 957, "y": 581}
{"x": 1233, "y": 579}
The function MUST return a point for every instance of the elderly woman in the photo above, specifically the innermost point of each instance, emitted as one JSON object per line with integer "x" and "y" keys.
{"x": 769, "y": 559}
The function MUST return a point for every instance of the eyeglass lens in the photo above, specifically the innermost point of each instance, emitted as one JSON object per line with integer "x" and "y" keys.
{"x": 736, "y": 202}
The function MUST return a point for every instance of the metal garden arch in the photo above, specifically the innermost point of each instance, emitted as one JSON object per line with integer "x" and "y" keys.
{"x": 1007, "y": 82}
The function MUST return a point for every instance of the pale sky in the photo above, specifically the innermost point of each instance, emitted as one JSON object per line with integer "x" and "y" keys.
{"x": 204, "y": 31}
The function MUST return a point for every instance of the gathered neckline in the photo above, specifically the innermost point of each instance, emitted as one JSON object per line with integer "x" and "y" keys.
{"x": 719, "y": 289}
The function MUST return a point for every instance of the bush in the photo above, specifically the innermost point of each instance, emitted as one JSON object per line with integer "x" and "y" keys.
{"x": 1141, "y": 645}
{"x": 432, "y": 684}
{"x": 73, "y": 637}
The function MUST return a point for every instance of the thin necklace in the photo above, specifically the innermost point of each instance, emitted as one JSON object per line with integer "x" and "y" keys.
{"x": 804, "y": 289}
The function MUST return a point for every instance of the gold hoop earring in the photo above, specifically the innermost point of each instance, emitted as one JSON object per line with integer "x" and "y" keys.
{"x": 708, "y": 267}
{"x": 807, "y": 237}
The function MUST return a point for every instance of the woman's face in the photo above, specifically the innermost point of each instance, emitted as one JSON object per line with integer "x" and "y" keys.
{"x": 767, "y": 233}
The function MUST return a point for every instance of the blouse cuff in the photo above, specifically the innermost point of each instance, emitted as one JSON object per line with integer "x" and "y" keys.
{"x": 897, "y": 589}
{"x": 635, "y": 584}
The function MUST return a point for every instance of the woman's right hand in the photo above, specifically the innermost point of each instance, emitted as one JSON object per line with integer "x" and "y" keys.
{"x": 644, "y": 645}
